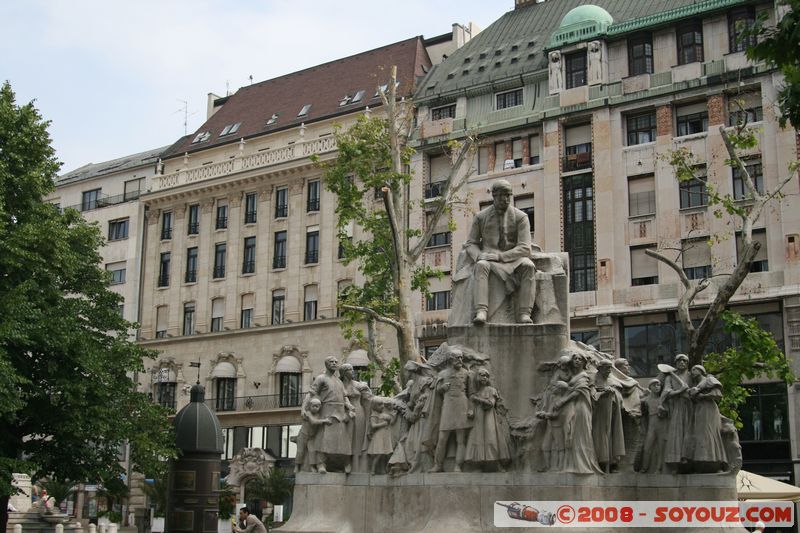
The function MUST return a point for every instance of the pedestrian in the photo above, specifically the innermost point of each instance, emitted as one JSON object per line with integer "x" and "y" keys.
{"x": 251, "y": 523}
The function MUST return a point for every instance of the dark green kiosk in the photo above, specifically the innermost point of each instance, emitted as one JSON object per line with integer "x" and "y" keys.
{"x": 193, "y": 497}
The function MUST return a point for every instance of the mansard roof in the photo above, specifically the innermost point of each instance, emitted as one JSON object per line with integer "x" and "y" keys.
{"x": 323, "y": 88}
{"x": 515, "y": 45}
{"x": 94, "y": 170}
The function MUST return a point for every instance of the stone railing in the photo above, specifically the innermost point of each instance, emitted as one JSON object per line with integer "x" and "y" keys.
{"x": 294, "y": 152}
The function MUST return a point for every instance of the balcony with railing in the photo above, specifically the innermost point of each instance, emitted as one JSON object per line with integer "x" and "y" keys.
{"x": 435, "y": 189}
{"x": 104, "y": 200}
{"x": 260, "y": 160}
{"x": 279, "y": 261}
{"x": 265, "y": 402}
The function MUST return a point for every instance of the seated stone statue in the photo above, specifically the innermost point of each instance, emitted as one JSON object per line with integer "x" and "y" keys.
{"x": 499, "y": 271}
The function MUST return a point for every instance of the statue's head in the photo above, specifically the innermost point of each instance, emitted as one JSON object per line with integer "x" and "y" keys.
{"x": 456, "y": 358}
{"x": 501, "y": 193}
{"x": 346, "y": 371}
{"x": 578, "y": 362}
{"x": 623, "y": 366}
{"x": 314, "y": 405}
{"x": 604, "y": 367}
{"x": 654, "y": 386}
{"x": 699, "y": 372}
{"x": 484, "y": 377}
{"x": 682, "y": 361}
{"x": 331, "y": 363}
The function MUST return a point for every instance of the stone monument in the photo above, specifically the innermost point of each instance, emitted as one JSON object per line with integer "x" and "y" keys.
{"x": 508, "y": 409}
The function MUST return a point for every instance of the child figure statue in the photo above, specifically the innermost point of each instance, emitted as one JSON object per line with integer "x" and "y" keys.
{"x": 656, "y": 415}
{"x": 489, "y": 441}
{"x": 379, "y": 434}
{"x": 306, "y": 448}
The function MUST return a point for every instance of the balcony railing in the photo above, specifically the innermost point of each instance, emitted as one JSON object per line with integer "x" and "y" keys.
{"x": 219, "y": 272}
{"x": 312, "y": 256}
{"x": 435, "y": 189}
{"x": 250, "y": 217}
{"x": 312, "y": 204}
{"x": 104, "y": 201}
{"x": 281, "y": 211}
{"x": 163, "y": 280}
{"x": 257, "y": 403}
{"x": 166, "y": 234}
{"x": 248, "y": 267}
{"x": 191, "y": 276}
{"x": 259, "y": 160}
{"x": 279, "y": 261}
{"x": 222, "y": 222}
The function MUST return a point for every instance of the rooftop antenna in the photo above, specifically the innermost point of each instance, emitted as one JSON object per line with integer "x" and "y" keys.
{"x": 185, "y": 110}
{"x": 227, "y": 88}
{"x": 251, "y": 79}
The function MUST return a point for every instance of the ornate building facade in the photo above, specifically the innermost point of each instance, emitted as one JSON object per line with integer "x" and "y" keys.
{"x": 577, "y": 106}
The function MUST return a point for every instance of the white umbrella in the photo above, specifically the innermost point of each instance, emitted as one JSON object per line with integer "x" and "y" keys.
{"x": 750, "y": 486}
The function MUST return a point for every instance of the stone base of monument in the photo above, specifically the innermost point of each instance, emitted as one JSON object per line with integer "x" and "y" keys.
{"x": 515, "y": 353}
{"x": 465, "y": 502}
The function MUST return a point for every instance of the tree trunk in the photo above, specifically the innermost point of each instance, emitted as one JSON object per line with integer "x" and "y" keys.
{"x": 407, "y": 348}
{"x": 4, "y": 512}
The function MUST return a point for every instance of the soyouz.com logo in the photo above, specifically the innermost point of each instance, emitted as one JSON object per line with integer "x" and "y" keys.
{"x": 619, "y": 514}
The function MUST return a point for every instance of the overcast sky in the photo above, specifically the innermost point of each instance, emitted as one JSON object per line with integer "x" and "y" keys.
{"x": 111, "y": 75}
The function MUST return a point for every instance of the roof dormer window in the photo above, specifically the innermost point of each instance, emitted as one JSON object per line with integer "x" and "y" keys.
{"x": 381, "y": 89}
{"x": 344, "y": 101}
{"x": 273, "y": 119}
{"x": 357, "y": 97}
{"x": 230, "y": 129}
{"x": 201, "y": 137}
{"x": 303, "y": 112}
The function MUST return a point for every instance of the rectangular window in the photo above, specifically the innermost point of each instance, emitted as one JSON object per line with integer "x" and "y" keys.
{"x": 641, "y": 128}
{"x": 166, "y": 394}
{"x": 438, "y": 300}
{"x": 740, "y": 21}
{"x": 644, "y": 269}
{"x": 534, "y": 149}
{"x": 641, "y": 196}
{"x": 578, "y": 208}
{"x": 220, "y": 255}
{"x": 439, "y": 239}
{"x": 640, "y": 54}
{"x": 312, "y": 245}
{"x": 188, "y": 319}
{"x": 525, "y": 204}
{"x": 647, "y": 344}
{"x": 692, "y": 118}
{"x": 191, "y": 265}
{"x": 247, "y": 311}
{"x": 509, "y": 99}
{"x": 250, "y": 208}
{"x": 310, "y": 303}
{"x": 282, "y": 203}
{"x": 249, "y": 260}
{"x": 163, "y": 270}
{"x": 291, "y": 395}
{"x": 312, "y": 202}
{"x": 118, "y": 229}
{"x": 162, "y": 321}
{"x": 193, "y": 225}
{"x": 516, "y": 152}
{"x": 347, "y": 239}
{"x": 279, "y": 252}
{"x": 90, "y": 199}
{"x": 226, "y": 394}
{"x": 217, "y": 313}
{"x": 278, "y": 306}
{"x": 447, "y": 111}
{"x": 694, "y": 193}
{"x": 745, "y": 108}
{"x": 575, "y": 69}
{"x": 760, "y": 262}
{"x": 166, "y": 225}
{"x": 117, "y": 272}
{"x": 690, "y": 42}
{"x": 753, "y": 167}
{"x": 133, "y": 189}
{"x": 696, "y": 257}
{"x": 222, "y": 216}
{"x": 578, "y": 147}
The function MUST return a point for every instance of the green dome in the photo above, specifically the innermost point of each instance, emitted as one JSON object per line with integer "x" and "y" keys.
{"x": 587, "y": 13}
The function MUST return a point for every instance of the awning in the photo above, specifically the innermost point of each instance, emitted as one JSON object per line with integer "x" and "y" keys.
{"x": 750, "y": 486}
{"x": 288, "y": 365}
{"x": 224, "y": 370}
{"x": 358, "y": 358}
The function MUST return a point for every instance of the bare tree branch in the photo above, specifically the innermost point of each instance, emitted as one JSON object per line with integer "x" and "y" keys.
{"x": 373, "y": 314}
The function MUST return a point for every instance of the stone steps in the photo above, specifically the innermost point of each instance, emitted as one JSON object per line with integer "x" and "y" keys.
{"x": 32, "y": 522}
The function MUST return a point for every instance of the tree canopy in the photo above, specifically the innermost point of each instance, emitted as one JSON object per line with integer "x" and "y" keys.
{"x": 68, "y": 400}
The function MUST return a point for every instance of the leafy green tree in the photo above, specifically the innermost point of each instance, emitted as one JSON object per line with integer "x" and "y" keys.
{"x": 780, "y": 45}
{"x": 274, "y": 487}
{"x": 371, "y": 180}
{"x": 67, "y": 399}
{"x": 742, "y": 214}
{"x": 58, "y": 489}
{"x": 755, "y": 354}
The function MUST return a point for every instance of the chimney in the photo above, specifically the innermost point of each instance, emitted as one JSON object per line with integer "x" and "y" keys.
{"x": 211, "y": 106}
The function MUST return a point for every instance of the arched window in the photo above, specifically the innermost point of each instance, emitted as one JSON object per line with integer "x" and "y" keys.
{"x": 290, "y": 376}
{"x": 224, "y": 376}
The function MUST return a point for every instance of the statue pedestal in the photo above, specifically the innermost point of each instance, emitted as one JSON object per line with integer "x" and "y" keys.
{"x": 465, "y": 502}
{"x": 515, "y": 352}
